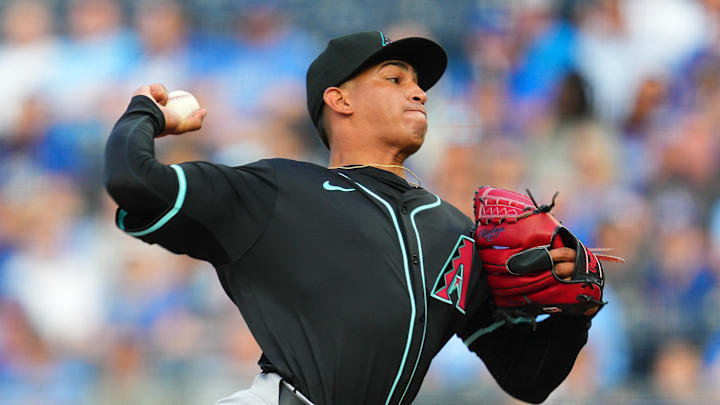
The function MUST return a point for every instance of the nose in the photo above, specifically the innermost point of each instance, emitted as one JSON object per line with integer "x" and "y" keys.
{"x": 418, "y": 95}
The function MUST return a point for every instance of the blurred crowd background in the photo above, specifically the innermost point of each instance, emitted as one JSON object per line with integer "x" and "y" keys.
{"x": 613, "y": 103}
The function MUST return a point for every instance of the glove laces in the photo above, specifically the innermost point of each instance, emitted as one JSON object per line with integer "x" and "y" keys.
{"x": 544, "y": 207}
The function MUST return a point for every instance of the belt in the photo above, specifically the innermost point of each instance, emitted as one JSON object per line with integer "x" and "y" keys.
{"x": 289, "y": 395}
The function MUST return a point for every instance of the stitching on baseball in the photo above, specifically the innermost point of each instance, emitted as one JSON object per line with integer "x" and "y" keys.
{"x": 179, "y": 96}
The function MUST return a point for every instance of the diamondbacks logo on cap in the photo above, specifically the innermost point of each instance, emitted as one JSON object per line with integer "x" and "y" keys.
{"x": 385, "y": 40}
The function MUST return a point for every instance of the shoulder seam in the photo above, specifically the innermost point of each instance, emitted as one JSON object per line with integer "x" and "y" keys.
{"x": 270, "y": 217}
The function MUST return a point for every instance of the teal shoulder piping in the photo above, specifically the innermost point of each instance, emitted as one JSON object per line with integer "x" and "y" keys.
{"x": 182, "y": 189}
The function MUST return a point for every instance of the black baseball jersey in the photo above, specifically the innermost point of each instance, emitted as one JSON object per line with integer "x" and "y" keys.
{"x": 350, "y": 280}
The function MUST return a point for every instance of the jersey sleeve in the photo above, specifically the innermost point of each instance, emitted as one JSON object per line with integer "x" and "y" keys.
{"x": 217, "y": 214}
{"x": 208, "y": 211}
{"x": 527, "y": 359}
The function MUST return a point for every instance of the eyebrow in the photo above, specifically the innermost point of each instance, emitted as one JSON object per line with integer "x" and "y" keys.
{"x": 401, "y": 65}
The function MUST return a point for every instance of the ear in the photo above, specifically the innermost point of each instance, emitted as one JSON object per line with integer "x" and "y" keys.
{"x": 337, "y": 100}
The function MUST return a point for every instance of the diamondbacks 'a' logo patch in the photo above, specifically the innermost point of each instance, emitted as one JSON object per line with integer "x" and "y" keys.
{"x": 452, "y": 283}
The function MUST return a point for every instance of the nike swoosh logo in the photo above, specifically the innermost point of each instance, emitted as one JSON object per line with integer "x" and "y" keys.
{"x": 329, "y": 187}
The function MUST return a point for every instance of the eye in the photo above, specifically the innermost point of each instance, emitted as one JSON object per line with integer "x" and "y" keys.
{"x": 394, "y": 79}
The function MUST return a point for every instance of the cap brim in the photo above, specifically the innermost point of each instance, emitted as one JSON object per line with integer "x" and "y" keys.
{"x": 427, "y": 57}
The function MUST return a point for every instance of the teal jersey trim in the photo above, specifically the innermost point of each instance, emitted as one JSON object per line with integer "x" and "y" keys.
{"x": 422, "y": 273}
{"x": 182, "y": 189}
{"x": 329, "y": 187}
{"x": 121, "y": 219}
{"x": 407, "y": 279}
{"x": 491, "y": 328}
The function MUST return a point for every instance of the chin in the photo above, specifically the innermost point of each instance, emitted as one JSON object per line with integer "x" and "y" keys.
{"x": 418, "y": 132}
{"x": 414, "y": 141}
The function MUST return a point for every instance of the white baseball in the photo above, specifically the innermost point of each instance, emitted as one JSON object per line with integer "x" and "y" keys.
{"x": 182, "y": 103}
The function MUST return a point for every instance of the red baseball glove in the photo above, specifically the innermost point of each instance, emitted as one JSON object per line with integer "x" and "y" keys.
{"x": 513, "y": 236}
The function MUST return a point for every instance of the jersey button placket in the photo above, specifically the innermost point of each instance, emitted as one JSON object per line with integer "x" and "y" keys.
{"x": 403, "y": 208}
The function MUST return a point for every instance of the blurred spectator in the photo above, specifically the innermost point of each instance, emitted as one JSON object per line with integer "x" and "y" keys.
{"x": 545, "y": 53}
{"x": 605, "y": 56}
{"x": 608, "y": 348}
{"x": 575, "y": 154}
{"x": 648, "y": 118}
{"x": 623, "y": 41}
{"x": 501, "y": 163}
{"x": 96, "y": 54}
{"x": 269, "y": 52}
{"x": 680, "y": 285}
{"x": 35, "y": 140}
{"x": 164, "y": 56}
{"x": 33, "y": 372}
{"x": 677, "y": 374}
{"x": 457, "y": 177}
{"x": 623, "y": 226}
{"x": 56, "y": 281}
{"x": 91, "y": 60}
{"x": 687, "y": 157}
{"x": 646, "y": 108}
{"x": 711, "y": 360}
{"x": 57, "y": 290}
{"x": 23, "y": 139}
{"x": 28, "y": 48}
{"x": 259, "y": 89}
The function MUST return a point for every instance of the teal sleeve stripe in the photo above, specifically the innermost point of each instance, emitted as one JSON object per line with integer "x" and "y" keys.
{"x": 491, "y": 328}
{"x": 182, "y": 190}
{"x": 121, "y": 219}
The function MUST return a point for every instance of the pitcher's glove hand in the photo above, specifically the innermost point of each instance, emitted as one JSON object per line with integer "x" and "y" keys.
{"x": 514, "y": 237}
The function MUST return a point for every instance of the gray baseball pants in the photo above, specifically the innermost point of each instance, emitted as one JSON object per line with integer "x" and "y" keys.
{"x": 265, "y": 390}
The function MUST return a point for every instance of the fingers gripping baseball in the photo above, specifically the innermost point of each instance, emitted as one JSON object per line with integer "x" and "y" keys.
{"x": 159, "y": 93}
{"x": 175, "y": 122}
{"x": 191, "y": 123}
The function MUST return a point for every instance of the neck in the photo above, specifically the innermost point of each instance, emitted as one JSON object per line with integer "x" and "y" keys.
{"x": 340, "y": 156}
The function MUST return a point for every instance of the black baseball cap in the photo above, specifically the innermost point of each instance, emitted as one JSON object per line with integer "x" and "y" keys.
{"x": 346, "y": 56}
